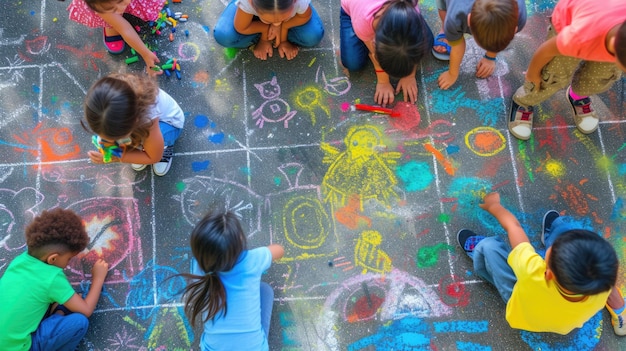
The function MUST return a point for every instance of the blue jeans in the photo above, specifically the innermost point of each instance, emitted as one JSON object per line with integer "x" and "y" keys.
{"x": 60, "y": 333}
{"x": 306, "y": 35}
{"x": 490, "y": 257}
{"x": 169, "y": 132}
{"x": 354, "y": 53}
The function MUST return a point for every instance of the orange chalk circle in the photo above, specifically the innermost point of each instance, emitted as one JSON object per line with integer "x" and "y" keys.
{"x": 485, "y": 141}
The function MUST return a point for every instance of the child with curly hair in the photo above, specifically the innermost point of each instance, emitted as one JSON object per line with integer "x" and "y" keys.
{"x": 134, "y": 121}
{"x": 41, "y": 310}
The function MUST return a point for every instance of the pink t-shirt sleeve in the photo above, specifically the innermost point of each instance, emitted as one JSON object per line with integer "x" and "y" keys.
{"x": 582, "y": 27}
{"x": 362, "y": 16}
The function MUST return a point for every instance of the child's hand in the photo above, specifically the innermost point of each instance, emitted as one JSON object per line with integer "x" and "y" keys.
{"x": 263, "y": 49}
{"x": 288, "y": 50}
{"x": 485, "y": 68}
{"x": 384, "y": 94}
{"x": 99, "y": 269}
{"x": 273, "y": 34}
{"x": 490, "y": 200}
{"x": 408, "y": 85}
{"x": 446, "y": 79}
{"x": 534, "y": 78}
{"x": 151, "y": 60}
{"x": 95, "y": 157}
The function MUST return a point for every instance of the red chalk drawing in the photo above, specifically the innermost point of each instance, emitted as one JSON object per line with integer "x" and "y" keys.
{"x": 452, "y": 291}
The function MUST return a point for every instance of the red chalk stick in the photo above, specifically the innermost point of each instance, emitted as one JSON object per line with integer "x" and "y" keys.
{"x": 377, "y": 109}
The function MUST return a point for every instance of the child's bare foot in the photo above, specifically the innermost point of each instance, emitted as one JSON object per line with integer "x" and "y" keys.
{"x": 263, "y": 49}
{"x": 441, "y": 49}
{"x": 288, "y": 50}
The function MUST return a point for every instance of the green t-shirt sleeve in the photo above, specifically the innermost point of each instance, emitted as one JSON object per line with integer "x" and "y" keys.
{"x": 60, "y": 289}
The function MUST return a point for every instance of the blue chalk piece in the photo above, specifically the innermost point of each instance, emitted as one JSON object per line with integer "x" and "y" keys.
{"x": 206, "y": 29}
{"x": 167, "y": 72}
{"x": 32, "y": 13}
{"x": 201, "y": 121}
{"x": 169, "y": 13}
{"x": 217, "y": 138}
{"x": 36, "y": 89}
{"x": 178, "y": 74}
{"x": 173, "y": 29}
{"x": 186, "y": 33}
{"x": 163, "y": 24}
{"x": 200, "y": 165}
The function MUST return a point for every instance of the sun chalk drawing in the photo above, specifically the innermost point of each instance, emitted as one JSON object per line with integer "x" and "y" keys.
{"x": 417, "y": 176}
{"x": 403, "y": 296}
{"x": 273, "y": 109}
{"x": 369, "y": 256}
{"x": 583, "y": 339}
{"x": 485, "y": 141}
{"x": 188, "y": 51}
{"x": 361, "y": 169}
{"x": 113, "y": 226}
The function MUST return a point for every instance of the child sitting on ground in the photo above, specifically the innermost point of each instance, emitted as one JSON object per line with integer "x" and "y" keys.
{"x": 41, "y": 310}
{"x": 492, "y": 23}
{"x": 585, "y": 48}
{"x": 268, "y": 24}
{"x": 558, "y": 294}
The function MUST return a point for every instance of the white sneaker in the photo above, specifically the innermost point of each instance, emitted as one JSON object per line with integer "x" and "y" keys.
{"x": 160, "y": 168}
{"x": 618, "y": 321}
{"x": 138, "y": 167}
{"x": 584, "y": 115}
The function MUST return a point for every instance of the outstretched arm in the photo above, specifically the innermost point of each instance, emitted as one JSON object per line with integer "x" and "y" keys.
{"x": 122, "y": 26}
{"x": 88, "y": 305}
{"x": 277, "y": 251}
{"x": 491, "y": 204}
{"x": 384, "y": 90}
{"x": 449, "y": 77}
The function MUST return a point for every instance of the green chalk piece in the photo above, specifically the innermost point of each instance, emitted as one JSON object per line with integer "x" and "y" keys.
{"x": 167, "y": 66}
{"x": 132, "y": 51}
{"x": 230, "y": 52}
{"x": 132, "y": 60}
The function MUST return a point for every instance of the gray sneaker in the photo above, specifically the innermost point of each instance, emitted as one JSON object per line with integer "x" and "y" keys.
{"x": 160, "y": 168}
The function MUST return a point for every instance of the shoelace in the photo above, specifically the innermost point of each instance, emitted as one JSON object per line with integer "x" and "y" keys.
{"x": 168, "y": 152}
